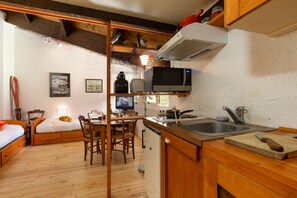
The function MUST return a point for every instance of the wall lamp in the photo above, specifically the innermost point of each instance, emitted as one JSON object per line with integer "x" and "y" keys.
{"x": 144, "y": 59}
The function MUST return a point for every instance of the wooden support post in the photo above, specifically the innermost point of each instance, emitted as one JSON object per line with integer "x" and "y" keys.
{"x": 108, "y": 108}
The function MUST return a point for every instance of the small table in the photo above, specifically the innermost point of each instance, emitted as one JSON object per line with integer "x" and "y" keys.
{"x": 97, "y": 127}
{"x": 115, "y": 122}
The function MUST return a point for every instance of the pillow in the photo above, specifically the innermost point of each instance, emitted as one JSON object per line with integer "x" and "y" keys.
{"x": 2, "y": 123}
{"x": 65, "y": 119}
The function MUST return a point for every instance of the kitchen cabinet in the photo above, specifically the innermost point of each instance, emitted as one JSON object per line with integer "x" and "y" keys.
{"x": 181, "y": 169}
{"x": 270, "y": 17}
{"x": 234, "y": 9}
{"x": 241, "y": 173}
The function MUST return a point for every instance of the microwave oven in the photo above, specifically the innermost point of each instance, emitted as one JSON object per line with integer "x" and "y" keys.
{"x": 166, "y": 79}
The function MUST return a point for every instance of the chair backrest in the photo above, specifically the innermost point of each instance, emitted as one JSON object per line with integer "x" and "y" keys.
{"x": 95, "y": 115}
{"x": 129, "y": 126}
{"x": 131, "y": 113}
{"x": 114, "y": 114}
{"x": 85, "y": 126}
{"x": 33, "y": 115}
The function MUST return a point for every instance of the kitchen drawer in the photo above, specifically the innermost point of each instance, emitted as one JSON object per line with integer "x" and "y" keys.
{"x": 49, "y": 138}
{"x": 239, "y": 185}
{"x": 12, "y": 149}
{"x": 188, "y": 149}
{"x": 72, "y": 136}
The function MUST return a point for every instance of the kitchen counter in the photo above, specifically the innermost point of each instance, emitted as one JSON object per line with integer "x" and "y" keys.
{"x": 231, "y": 166}
{"x": 190, "y": 136}
{"x": 217, "y": 169}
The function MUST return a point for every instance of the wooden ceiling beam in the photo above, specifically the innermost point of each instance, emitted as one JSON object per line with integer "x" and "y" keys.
{"x": 66, "y": 27}
{"x": 72, "y": 12}
{"x": 88, "y": 40}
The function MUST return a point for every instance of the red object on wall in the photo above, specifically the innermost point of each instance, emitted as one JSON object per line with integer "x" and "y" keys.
{"x": 191, "y": 19}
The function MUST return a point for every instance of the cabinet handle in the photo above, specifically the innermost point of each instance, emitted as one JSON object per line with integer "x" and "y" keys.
{"x": 167, "y": 141}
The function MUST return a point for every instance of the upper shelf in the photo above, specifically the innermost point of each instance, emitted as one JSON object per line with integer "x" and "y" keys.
{"x": 129, "y": 45}
{"x": 131, "y": 49}
{"x": 179, "y": 94}
{"x": 217, "y": 20}
{"x": 127, "y": 118}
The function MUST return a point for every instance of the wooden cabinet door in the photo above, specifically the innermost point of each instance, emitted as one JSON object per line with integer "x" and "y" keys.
{"x": 181, "y": 175}
{"x": 234, "y": 9}
{"x": 231, "y": 9}
{"x": 246, "y": 6}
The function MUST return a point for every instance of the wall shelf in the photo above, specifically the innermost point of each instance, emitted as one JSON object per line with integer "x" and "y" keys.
{"x": 122, "y": 48}
{"x": 217, "y": 20}
{"x": 131, "y": 49}
{"x": 127, "y": 118}
{"x": 152, "y": 94}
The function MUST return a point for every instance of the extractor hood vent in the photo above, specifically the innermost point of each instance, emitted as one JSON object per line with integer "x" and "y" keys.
{"x": 193, "y": 41}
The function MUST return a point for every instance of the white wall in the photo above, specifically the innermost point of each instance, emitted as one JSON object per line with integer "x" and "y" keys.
{"x": 7, "y": 67}
{"x": 1, "y": 66}
{"x": 35, "y": 59}
{"x": 251, "y": 70}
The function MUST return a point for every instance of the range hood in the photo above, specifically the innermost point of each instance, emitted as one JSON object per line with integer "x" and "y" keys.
{"x": 193, "y": 41}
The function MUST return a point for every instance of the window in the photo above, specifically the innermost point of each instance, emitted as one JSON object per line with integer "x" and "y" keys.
{"x": 164, "y": 101}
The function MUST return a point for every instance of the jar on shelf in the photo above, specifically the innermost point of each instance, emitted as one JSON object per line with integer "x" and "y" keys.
{"x": 216, "y": 10}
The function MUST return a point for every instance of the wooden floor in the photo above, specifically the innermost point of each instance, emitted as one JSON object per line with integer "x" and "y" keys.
{"x": 58, "y": 170}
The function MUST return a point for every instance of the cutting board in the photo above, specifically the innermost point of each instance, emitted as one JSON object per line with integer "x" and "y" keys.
{"x": 252, "y": 143}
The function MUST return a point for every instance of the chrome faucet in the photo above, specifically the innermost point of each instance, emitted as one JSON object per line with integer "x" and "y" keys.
{"x": 238, "y": 116}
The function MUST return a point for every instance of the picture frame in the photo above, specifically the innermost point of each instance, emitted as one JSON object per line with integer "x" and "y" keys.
{"x": 94, "y": 85}
{"x": 59, "y": 85}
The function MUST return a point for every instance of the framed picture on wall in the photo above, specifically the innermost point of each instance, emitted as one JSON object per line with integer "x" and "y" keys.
{"x": 59, "y": 85}
{"x": 94, "y": 85}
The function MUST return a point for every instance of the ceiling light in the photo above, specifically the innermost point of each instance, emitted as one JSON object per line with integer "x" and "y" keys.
{"x": 144, "y": 59}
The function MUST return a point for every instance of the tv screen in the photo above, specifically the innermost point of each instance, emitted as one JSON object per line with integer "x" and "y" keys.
{"x": 124, "y": 102}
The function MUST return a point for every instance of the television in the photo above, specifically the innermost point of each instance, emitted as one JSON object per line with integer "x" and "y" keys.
{"x": 124, "y": 102}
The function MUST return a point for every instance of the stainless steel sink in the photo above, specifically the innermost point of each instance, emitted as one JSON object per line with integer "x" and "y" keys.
{"x": 214, "y": 128}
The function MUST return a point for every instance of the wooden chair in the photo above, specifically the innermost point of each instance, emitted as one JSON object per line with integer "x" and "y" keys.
{"x": 33, "y": 115}
{"x": 125, "y": 137}
{"x": 91, "y": 138}
{"x": 95, "y": 115}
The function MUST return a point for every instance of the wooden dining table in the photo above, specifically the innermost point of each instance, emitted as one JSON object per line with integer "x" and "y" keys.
{"x": 101, "y": 125}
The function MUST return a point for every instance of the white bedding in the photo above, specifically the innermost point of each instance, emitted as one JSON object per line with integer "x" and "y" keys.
{"x": 9, "y": 133}
{"x": 53, "y": 124}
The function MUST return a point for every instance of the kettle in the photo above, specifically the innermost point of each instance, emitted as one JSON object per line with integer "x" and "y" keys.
{"x": 137, "y": 85}
{"x": 192, "y": 18}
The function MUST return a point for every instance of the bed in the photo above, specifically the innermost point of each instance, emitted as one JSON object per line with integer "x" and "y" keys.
{"x": 12, "y": 139}
{"x": 52, "y": 130}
